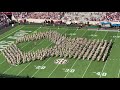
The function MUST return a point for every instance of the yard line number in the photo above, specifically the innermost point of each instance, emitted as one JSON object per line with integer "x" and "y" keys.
{"x": 100, "y": 73}
{"x": 71, "y": 34}
{"x": 40, "y": 67}
{"x": 116, "y": 36}
{"x": 69, "y": 70}
{"x": 93, "y": 35}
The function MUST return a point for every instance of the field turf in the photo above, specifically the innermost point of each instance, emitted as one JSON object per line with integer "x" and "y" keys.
{"x": 74, "y": 68}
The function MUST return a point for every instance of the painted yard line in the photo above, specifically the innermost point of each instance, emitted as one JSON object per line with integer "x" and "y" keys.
{"x": 86, "y": 69}
{"x": 53, "y": 71}
{"x": 103, "y": 69}
{"x": 119, "y": 73}
{"x": 22, "y": 47}
{"x": 24, "y": 68}
{"x": 57, "y": 65}
{"x": 45, "y": 62}
{"x": 75, "y": 61}
{"x": 32, "y": 26}
{"x": 7, "y": 69}
{"x": 58, "y": 28}
{"x": 91, "y": 60}
{"x": 12, "y": 32}
{"x": 105, "y": 35}
{"x": 2, "y": 62}
{"x": 29, "y": 63}
{"x": 88, "y": 64}
{"x": 38, "y": 69}
{"x": 106, "y": 62}
{"x": 119, "y": 70}
{"x": 103, "y": 30}
{"x": 10, "y": 67}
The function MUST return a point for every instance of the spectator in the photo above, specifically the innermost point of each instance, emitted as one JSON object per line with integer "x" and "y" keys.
{"x": 70, "y": 16}
{"x": 4, "y": 20}
{"x": 38, "y": 15}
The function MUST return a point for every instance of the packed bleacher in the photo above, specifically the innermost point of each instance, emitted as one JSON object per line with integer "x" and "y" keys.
{"x": 4, "y": 20}
{"x": 70, "y": 16}
{"x": 38, "y": 15}
{"x": 92, "y": 16}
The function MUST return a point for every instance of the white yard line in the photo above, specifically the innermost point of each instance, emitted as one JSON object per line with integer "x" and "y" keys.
{"x": 45, "y": 62}
{"x": 12, "y": 32}
{"x": 22, "y": 47}
{"x": 8, "y": 35}
{"x": 53, "y": 71}
{"x": 58, "y": 64}
{"x": 75, "y": 61}
{"x": 29, "y": 63}
{"x": 103, "y": 30}
{"x": 119, "y": 70}
{"x": 119, "y": 73}
{"x": 106, "y": 62}
{"x": 24, "y": 69}
{"x": 59, "y": 28}
{"x": 2, "y": 62}
{"x": 7, "y": 69}
{"x": 86, "y": 69}
{"x": 39, "y": 69}
{"x": 88, "y": 64}
{"x": 103, "y": 68}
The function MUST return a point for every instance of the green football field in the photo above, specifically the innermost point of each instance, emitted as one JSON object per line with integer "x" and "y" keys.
{"x": 74, "y": 68}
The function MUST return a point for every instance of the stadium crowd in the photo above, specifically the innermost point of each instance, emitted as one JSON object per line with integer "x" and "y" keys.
{"x": 38, "y": 15}
{"x": 92, "y": 16}
{"x": 4, "y": 20}
{"x": 70, "y": 16}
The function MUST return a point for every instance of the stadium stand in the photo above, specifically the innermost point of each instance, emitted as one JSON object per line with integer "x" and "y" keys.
{"x": 38, "y": 15}
{"x": 92, "y": 16}
{"x": 82, "y": 16}
{"x": 4, "y": 20}
{"x": 69, "y": 17}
